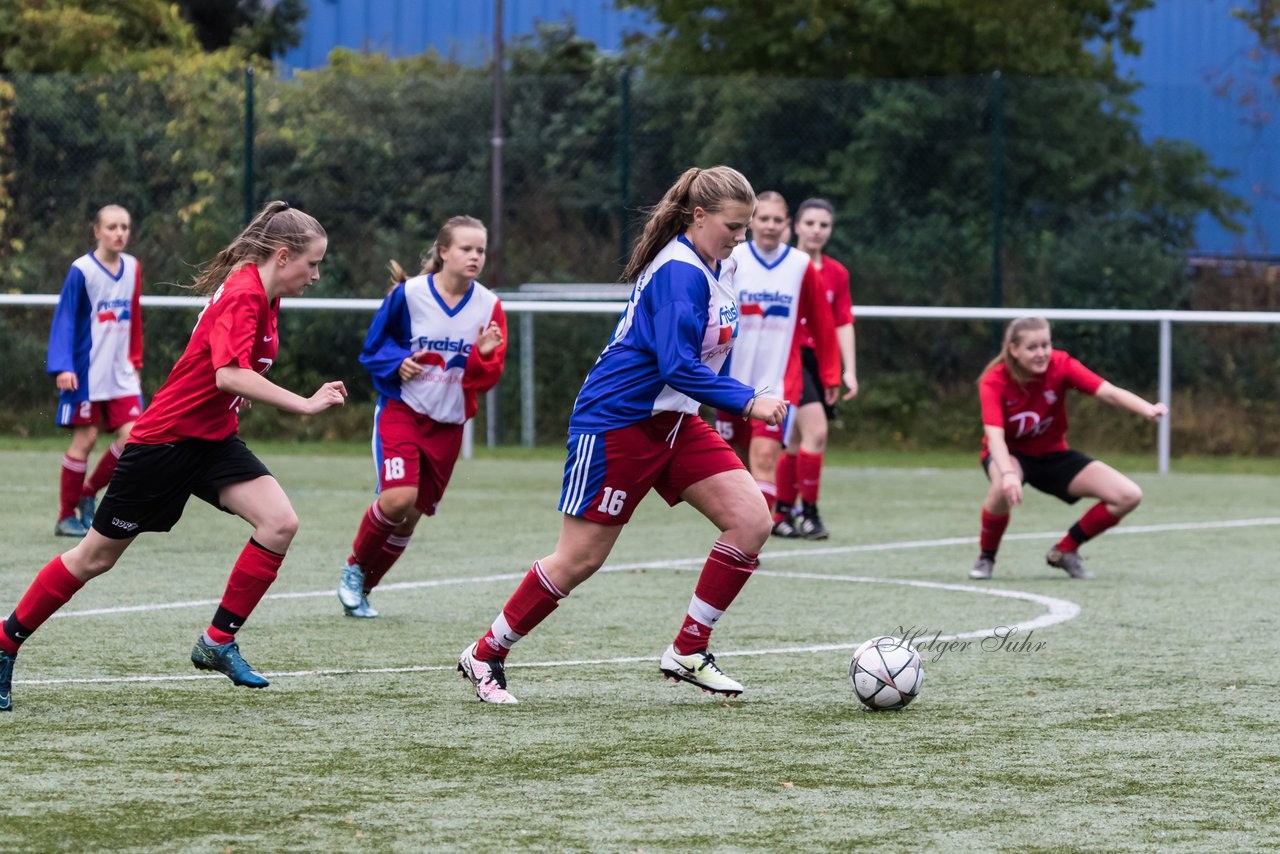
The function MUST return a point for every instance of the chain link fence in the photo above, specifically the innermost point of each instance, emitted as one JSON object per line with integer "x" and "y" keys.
{"x": 964, "y": 191}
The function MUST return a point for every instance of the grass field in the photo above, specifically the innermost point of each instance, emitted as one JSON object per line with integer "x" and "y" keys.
{"x": 1142, "y": 714}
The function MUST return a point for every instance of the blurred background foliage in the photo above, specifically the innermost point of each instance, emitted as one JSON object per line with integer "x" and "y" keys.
{"x": 968, "y": 164}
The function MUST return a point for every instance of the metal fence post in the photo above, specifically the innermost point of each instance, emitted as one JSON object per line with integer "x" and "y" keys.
{"x": 248, "y": 144}
{"x": 528, "y": 426}
{"x": 1165, "y": 391}
{"x": 624, "y": 162}
{"x": 997, "y": 199}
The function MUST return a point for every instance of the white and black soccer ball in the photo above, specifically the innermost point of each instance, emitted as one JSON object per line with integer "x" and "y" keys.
{"x": 886, "y": 673}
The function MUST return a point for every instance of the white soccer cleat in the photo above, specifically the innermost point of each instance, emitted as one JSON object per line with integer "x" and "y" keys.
{"x": 698, "y": 668}
{"x": 489, "y": 677}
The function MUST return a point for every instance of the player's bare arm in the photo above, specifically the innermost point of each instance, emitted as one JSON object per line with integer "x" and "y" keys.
{"x": 1125, "y": 399}
{"x": 254, "y": 386}
{"x": 1002, "y": 470}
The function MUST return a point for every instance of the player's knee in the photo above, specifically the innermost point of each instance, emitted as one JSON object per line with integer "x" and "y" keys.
{"x": 398, "y": 505}
{"x": 755, "y": 525}
{"x": 278, "y": 531}
{"x": 1130, "y": 497}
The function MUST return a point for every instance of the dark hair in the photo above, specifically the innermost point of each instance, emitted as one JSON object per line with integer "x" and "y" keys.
{"x": 276, "y": 225}
{"x": 709, "y": 189}
{"x": 1012, "y": 335}
{"x": 820, "y": 204}
{"x": 431, "y": 262}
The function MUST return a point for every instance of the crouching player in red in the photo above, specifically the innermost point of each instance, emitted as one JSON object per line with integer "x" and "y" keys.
{"x": 186, "y": 444}
{"x": 1024, "y": 418}
{"x": 437, "y": 342}
{"x": 635, "y": 427}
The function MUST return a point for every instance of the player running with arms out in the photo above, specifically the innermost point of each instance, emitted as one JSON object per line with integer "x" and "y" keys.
{"x": 800, "y": 466}
{"x": 95, "y": 353}
{"x": 635, "y": 427}
{"x": 186, "y": 443}
{"x": 437, "y": 342}
{"x": 776, "y": 286}
{"x": 1024, "y": 418}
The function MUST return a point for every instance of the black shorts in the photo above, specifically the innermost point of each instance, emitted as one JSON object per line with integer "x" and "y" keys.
{"x": 1050, "y": 473}
{"x": 152, "y": 483}
{"x": 813, "y": 388}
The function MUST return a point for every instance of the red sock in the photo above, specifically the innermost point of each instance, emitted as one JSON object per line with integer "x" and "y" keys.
{"x": 723, "y": 576}
{"x": 103, "y": 470}
{"x": 372, "y": 535}
{"x": 533, "y": 602}
{"x": 993, "y": 528}
{"x": 253, "y": 573}
{"x": 787, "y": 485}
{"x": 72, "y": 485}
{"x": 1094, "y": 521}
{"x": 52, "y": 588}
{"x": 384, "y": 560}
{"x": 809, "y": 474}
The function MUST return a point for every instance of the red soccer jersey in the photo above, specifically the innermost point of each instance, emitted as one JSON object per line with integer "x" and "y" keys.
{"x": 237, "y": 327}
{"x": 1034, "y": 416}
{"x": 833, "y": 283}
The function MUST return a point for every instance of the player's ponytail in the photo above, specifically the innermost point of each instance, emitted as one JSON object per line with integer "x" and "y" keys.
{"x": 1012, "y": 337}
{"x": 709, "y": 189}
{"x": 431, "y": 261}
{"x": 276, "y": 225}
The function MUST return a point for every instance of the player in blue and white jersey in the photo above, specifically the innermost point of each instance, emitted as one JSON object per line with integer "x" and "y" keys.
{"x": 437, "y": 342}
{"x": 635, "y": 427}
{"x": 95, "y": 353}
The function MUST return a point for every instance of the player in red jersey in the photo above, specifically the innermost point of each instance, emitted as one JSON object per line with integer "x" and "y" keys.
{"x": 635, "y": 428}
{"x": 186, "y": 444}
{"x": 95, "y": 353}
{"x": 800, "y": 466}
{"x": 1024, "y": 418}
{"x": 437, "y": 342}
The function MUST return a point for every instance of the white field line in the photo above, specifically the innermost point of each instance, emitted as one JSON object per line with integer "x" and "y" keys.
{"x": 693, "y": 562}
{"x": 1059, "y": 610}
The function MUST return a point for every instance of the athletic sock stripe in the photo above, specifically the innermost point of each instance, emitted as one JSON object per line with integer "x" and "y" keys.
{"x": 115, "y": 450}
{"x": 734, "y": 552}
{"x": 398, "y": 542}
{"x": 72, "y": 464}
{"x": 546, "y": 582}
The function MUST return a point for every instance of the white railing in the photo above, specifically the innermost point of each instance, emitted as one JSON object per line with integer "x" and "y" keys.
{"x": 545, "y": 302}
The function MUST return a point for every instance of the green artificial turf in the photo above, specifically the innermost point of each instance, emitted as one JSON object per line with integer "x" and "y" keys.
{"x": 1145, "y": 721}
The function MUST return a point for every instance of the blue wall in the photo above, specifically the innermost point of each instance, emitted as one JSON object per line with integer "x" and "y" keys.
{"x": 1190, "y": 47}
{"x": 457, "y": 29}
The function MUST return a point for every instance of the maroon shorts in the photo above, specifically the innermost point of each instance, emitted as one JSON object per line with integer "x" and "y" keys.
{"x": 112, "y": 414}
{"x": 412, "y": 449}
{"x": 608, "y": 473}
{"x": 739, "y": 431}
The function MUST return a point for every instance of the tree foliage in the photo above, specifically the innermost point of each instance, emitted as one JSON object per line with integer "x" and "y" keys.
{"x": 879, "y": 39}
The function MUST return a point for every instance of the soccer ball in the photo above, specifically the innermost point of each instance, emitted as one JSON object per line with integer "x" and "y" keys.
{"x": 886, "y": 673}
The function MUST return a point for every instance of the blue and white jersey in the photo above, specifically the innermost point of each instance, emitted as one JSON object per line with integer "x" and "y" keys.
{"x": 668, "y": 348}
{"x": 97, "y": 331}
{"x": 414, "y": 318}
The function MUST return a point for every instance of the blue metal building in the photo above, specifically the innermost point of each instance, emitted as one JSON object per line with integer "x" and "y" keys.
{"x": 1197, "y": 64}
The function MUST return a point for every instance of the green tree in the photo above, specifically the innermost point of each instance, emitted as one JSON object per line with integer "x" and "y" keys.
{"x": 889, "y": 38}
